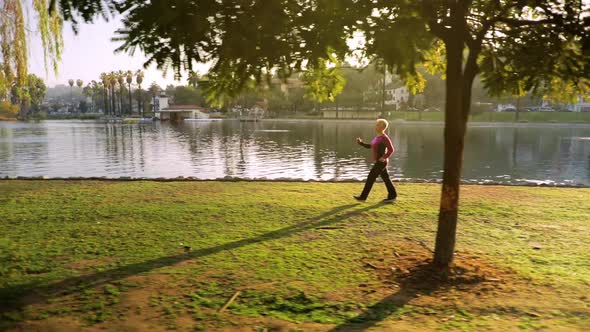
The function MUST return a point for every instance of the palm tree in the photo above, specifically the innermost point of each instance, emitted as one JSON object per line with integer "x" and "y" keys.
{"x": 112, "y": 83}
{"x": 129, "y": 80}
{"x": 88, "y": 92}
{"x": 71, "y": 82}
{"x": 139, "y": 80}
{"x": 193, "y": 79}
{"x": 105, "y": 86}
{"x": 98, "y": 88}
{"x": 121, "y": 80}
{"x": 79, "y": 84}
{"x": 154, "y": 89}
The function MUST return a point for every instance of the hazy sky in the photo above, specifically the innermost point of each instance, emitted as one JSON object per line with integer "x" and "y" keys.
{"x": 90, "y": 53}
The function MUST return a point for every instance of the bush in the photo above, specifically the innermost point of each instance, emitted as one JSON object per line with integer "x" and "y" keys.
{"x": 8, "y": 110}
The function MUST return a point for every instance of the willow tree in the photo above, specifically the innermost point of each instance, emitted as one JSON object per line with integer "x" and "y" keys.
{"x": 14, "y": 28}
{"x": 542, "y": 44}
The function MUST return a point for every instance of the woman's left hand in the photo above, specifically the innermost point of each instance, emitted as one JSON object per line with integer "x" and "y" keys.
{"x": 383, "y": 160}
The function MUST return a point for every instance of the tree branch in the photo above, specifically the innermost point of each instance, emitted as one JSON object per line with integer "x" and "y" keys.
{"x": 520, "y": 23}
{"x": 438, "y": 30}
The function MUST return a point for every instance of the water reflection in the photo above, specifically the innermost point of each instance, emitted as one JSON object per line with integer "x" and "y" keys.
{"x": 282, "y": 149}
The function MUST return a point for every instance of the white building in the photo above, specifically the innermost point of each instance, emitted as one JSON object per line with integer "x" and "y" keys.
{"x": 397, "y": 96}
{"x": 181, "y": 112}
{"x": 160, "y": 103}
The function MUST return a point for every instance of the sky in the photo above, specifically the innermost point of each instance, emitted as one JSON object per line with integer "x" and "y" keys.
{"x": 91, "y": 52}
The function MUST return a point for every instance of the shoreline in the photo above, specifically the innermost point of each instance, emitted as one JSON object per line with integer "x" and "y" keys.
{"x": 440, "y": 123}
{"x": 529, "y": 183}
{"x": 505, "y": 124}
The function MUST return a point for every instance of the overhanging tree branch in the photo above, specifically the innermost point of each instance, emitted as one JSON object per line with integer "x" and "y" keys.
{"x": 521, "y": 23}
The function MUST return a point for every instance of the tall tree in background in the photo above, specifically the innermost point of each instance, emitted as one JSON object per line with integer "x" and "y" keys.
{"x": 36, "y": 90}
{"x": 542, "y": 44}
{"x": 71, "y": 83}
{"x": 139, "y": 80}
{"x": 88, "y": 92}
{"x": 129, "y": 80}
{"x": 193, "y": 79}
{"x": 154, "y": 90}
{"x": 105, "y": 85}
{"x": 79, "y": 83}
{"x": 121, "y": 81}
{"x": 112, "y": 77}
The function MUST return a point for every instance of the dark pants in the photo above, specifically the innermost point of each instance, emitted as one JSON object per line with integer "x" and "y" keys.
{"x": 379, "y": 169}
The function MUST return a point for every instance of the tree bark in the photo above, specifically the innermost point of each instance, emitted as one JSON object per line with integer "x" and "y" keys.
{"x": 517, "y": 112}
{"x": 130, "y": 103}
{"x": 139, "y": 107}
{"x": 457, "y": 104}
{"x": 113, "y": 101}
{"x": 121, "y": 110}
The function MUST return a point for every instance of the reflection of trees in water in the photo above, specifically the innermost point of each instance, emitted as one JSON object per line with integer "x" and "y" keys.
{"x": 141, "y": 141}
{"x": 419, "y": 151}
{"x": 7, "y": 148}
{"x": 533, "y": 153}
{"x": 327, "y": 149}
{"x": 19, "y": 154}
{"x": 111, "y": 144}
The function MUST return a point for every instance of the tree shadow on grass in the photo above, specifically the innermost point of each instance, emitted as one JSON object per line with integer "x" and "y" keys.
{"x": 14, "y": 298}
{"x": 423, "y": 279}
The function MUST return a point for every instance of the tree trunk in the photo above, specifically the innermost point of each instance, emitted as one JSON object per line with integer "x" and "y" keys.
{"x": 113, "y": 101}
{"x": 121, "y": 111}
{"x": 130, "y": 106}
{"x": 517, "y": 112}
{"x": 457, "y": 104}
{"x": 139, "y": 108}
{"x": 106, "y": 102}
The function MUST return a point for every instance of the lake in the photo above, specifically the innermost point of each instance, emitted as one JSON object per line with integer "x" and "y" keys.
{"x": 310, "y": 150}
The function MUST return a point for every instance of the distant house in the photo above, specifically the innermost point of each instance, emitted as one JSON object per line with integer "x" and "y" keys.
{"x": 394, "y": 95}
{"x": 288, "y": 85}
{"x": 181, "y": 112}
{"x": 582, "y": 105}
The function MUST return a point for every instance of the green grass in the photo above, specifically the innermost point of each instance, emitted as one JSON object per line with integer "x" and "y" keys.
{"x": 296, "y": 250}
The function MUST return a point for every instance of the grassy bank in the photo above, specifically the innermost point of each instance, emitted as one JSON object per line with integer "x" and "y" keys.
{"x": 150, "y": 256}
{"x": 532, "y": 117}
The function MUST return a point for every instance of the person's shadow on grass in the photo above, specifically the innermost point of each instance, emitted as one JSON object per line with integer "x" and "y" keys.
{"x": 14, "y": 298}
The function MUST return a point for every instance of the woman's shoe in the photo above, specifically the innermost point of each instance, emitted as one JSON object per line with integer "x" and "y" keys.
{"x": 359, "y": 198}
{"x": 389, "y": 200}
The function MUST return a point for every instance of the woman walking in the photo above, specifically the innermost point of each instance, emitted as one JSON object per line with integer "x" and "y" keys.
{"x": 382, "y": 150}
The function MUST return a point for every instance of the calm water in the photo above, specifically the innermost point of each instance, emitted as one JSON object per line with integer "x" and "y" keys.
{"x": 285, "y": 149}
